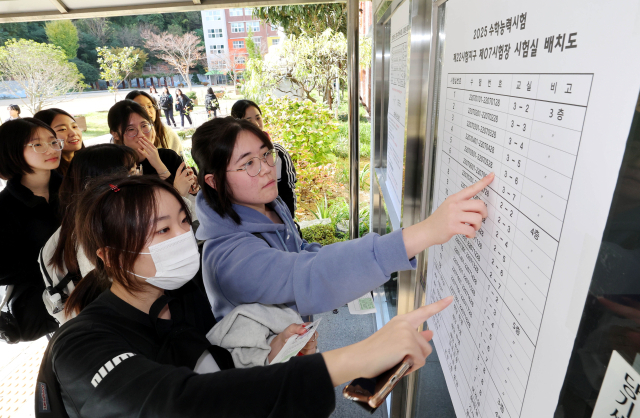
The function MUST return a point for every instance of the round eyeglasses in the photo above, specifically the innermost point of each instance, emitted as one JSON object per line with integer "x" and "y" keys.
{"x": 40, "y": 147}
{"x": 254, "y": 165}
{"x": 132, "y": 132}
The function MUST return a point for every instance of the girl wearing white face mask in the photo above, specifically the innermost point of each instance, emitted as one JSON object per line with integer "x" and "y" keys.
{"x": 139, "y": 349}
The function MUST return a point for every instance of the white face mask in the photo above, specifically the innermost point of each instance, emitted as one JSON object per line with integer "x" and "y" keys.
{"x": 177, "y": 260}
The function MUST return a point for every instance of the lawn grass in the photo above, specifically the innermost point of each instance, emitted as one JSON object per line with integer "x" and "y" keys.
{"x": 96, "y": 124}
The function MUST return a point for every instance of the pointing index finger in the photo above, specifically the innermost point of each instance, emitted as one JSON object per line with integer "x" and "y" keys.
{"x": 420, "y": 315}
{"x": 474, "y": 189}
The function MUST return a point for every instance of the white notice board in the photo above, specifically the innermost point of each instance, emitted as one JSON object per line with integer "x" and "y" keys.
{"x": 541, "y": 93}
{"x": 396, "y": 116}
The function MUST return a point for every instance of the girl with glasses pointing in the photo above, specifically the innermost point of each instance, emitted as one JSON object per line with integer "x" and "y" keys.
{"x": 253, "y": 252}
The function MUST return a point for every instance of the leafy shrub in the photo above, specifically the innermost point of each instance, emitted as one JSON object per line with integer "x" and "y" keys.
{"x": 188, "y": 159}
{"x": 192, "y": 95}
{"x": 307, "y": 130}
{"x": 185, "y": 133}
{"x": 322, "y": 234}
{"x": 364, "y": 177}
{"x": 341, "y": 149}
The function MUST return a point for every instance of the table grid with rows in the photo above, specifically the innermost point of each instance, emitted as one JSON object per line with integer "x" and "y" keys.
{"x": 526, "y": 128}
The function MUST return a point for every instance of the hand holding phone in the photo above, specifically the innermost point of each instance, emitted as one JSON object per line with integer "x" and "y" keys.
{"x": 371, "y": 393}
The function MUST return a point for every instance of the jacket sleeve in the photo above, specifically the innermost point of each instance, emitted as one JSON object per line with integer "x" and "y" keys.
{"x": 16, "y": 267}
{"x": 288, "y": 179}
{"x": 172, "y": 161}
{"x": 100, "y": 375}
{"x": 249, "y": 271}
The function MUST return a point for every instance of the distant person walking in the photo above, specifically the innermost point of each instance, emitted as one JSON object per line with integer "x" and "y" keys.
{"x": 14, "y": 112}
{"x": 184, "y": 105}
{"x": 211, "y": 103}
{"x": 154, "y": 93}
{"x": 166, "y": 104}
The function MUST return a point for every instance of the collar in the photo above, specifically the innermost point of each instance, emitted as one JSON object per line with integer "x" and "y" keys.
{"x": 151, "y": 320}
{"x": 26, "y": 196}
{"x": 124, "y": 309}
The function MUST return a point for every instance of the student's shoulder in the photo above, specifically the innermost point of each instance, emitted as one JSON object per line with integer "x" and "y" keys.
{"x": 167, "y": 154}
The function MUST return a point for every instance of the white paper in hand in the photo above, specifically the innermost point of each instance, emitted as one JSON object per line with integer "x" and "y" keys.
{"x": 296, "y": 343}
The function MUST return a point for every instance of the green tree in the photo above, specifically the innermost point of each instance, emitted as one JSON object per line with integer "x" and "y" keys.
{"x": 116, "y": 66}
{"x": 87, "y": 50}
{"x": 41, "y": 70}
{"x": 309, "y": 19}
{"x": 88, "y": 71}
{"x": 99, "y": 28}
{"x": 23, "y": 30}
{"x": 253, "y": 50}
{"x": 138, "y": 68}
{"x": 300, "y": 66}
{"x": 63, "y": 33}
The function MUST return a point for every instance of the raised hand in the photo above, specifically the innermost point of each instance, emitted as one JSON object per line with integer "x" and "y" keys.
{"x": 387, "y": 347}
{"x": 458, "y": 214}
{"x": 184, "y": 180}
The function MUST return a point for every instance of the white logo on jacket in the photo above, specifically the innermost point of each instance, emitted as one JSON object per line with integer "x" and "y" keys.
{"x": 108, "y": 366}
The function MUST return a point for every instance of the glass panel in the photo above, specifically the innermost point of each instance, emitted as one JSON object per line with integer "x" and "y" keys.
{"x": 433, "y": 397}
{"x": 610, "y": 317}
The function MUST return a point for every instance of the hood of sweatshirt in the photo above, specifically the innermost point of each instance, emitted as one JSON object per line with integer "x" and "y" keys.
{"x": 282, "y": 236}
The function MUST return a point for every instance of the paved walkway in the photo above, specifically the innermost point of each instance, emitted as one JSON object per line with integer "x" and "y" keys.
{"x": 19, "y": 366}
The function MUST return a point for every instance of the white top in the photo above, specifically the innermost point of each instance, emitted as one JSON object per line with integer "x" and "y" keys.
{"x": 173, "y": 140}
{"x": 56, "y": 275}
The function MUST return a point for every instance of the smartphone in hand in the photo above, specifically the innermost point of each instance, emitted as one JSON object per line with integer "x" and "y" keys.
{"x": 371, "y": 393}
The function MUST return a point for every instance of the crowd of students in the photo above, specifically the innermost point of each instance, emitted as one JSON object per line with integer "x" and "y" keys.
{"x": 99, "y": 253}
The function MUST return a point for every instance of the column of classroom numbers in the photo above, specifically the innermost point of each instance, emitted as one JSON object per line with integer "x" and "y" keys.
{"x": 498, "y": 263}
{"x": 488, "y": 309}
{"x": 461, "y": 338}
{"x": 505, "y": 219}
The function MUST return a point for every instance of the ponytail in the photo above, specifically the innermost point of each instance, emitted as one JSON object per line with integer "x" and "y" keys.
{"x": 85, "y": 292}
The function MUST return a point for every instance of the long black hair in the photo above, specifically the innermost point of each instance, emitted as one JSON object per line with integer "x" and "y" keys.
{"x": 161, "y": 133}
{"x": 121, "y": 221}
{"x": 47, "y": 116}
{"x": 240, "y": 108}
{"x": 119, "y": 114}
{"x": 87, "y": 164}
{"x": 14, "y": 135}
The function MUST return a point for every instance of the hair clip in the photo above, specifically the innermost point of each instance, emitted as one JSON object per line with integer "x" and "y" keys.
{"x": 115, "y": 189}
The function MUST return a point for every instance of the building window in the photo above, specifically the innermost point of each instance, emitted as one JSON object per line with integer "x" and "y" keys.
{"x": 237, "y": 27}
{"x": 217, "y": 64}
{"x": 213, "y": 15}
{"x": 257, "y": 41}
{"x": 240, "y": 60}
{"x": 248, "y": 11}
{"x": 274, "y": 28}
{"x": 238, "y": 44}
{"x": 255, "y": 25}
{"x": 214, "y": 33}
{"x": 235, "y": 12}
{"x": 276, "y": 41}
{"x": 216, "y": 49}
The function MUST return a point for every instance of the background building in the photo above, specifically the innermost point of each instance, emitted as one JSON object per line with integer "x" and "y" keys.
{"x": 225, "y": 34}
